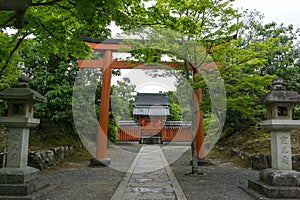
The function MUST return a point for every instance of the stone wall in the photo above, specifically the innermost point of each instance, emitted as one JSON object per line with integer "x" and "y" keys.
{"x": 257, "y": 160}
{"x": 46, "y": 158}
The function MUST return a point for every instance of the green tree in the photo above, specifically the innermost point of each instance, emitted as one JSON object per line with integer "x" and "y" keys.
{"x": 44, "y": 38}
{"x": 174, "y": 106}
{"x": 243, "y": 81}
{"x": 54, "y": 78}
{"x": 58, "y": 25}
{"x": 122, "y": 99}
{"x": 284, "y": 62}
{"x": 262, "y": 52}
{"x": 112, "y": 128}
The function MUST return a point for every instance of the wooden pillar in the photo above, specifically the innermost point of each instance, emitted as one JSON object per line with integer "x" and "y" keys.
{"x": 104, "y": 107}
{"x": 200, "y": 148}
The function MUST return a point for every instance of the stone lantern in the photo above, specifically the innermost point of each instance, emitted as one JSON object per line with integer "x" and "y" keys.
{"x": 280, "y": 181}
{"x": 279, "y": 101}
{"x": 18, "y": 179}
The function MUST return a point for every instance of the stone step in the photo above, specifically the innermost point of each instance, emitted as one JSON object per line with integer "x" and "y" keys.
{"x": 23, "y": 188}
{"x": 18, "y": 175}
{"x": 150, "y": 140}
{"x": 257, "y": 196}
{"x": 274, "y": 191}
{"x": 33, "y": 196}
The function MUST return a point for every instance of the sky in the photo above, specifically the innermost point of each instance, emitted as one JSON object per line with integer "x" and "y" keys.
{"x": 286, "y": 12}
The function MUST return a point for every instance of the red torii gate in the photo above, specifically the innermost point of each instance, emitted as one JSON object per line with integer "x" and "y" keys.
{"x": 107, "y": 64}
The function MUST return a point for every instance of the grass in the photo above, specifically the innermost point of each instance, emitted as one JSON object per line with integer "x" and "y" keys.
{"x": 49, "y": 135}
{"x": 252, "y": 139}
{"x": 81, "y": 155}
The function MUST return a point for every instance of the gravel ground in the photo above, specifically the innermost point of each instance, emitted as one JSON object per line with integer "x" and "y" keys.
{"x": 83, "y": 183}
{"x": 220, "y": 181}
{"x": 78, "y": 181}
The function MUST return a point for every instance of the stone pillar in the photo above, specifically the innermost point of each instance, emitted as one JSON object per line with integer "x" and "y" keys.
{"x": 17, "y": 151}
{"x": 281, "y": 150}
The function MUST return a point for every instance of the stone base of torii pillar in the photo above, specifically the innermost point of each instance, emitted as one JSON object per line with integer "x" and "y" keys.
{"x": 280, "y": 181}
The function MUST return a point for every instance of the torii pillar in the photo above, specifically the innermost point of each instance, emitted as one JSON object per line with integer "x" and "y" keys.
{"x": 101, "y": 145}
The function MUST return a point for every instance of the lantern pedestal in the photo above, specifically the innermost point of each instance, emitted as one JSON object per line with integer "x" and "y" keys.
{"x": 281, "y": 152}
{"x": 280, "y": 181}
{"x": 275, "y": 184}
{"x": 21, "y": 183}
{"x": 17, "y": 180}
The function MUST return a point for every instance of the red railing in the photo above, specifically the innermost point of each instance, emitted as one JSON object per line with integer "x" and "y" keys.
{"x": 176, "y": 133}
{"x": 128, "y": 133}
{"x": 168, "y": 133}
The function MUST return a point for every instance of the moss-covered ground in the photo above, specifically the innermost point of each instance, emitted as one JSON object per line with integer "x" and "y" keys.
{"x": 253, "y": 139}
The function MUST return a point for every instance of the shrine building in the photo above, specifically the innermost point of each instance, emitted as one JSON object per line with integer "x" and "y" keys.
{"x": 151, "y": 111}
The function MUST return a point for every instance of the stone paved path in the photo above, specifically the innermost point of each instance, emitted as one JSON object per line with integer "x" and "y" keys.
{"x": 149, "y": 177}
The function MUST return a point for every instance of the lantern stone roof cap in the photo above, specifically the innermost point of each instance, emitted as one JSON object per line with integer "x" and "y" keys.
{"x": 278, "y": 94}
{"x": 22, "y": 91}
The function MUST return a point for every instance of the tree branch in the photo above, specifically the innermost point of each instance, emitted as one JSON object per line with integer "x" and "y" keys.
{"x": 67, "y": 9}
{"x": 51, "y": 34}
{"x": 72, "y": 3}
{"x": 9, "y": 5}
{"x": 49, "y": 3}
{"x": 12, "y": 52}
{"x": 20, "y": 7}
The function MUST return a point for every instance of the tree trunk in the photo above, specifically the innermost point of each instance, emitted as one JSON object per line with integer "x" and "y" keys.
{"x": 195, "y": 169}
{"x": 17, "y": 5}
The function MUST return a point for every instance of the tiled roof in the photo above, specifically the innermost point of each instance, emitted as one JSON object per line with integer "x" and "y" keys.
{"x": 128, "y": 123}
{"x": 150, "y": 99}
{"x": 151, "y": 110}
{"x": 151, "y": 104}
{"x": 131, "y": 123}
